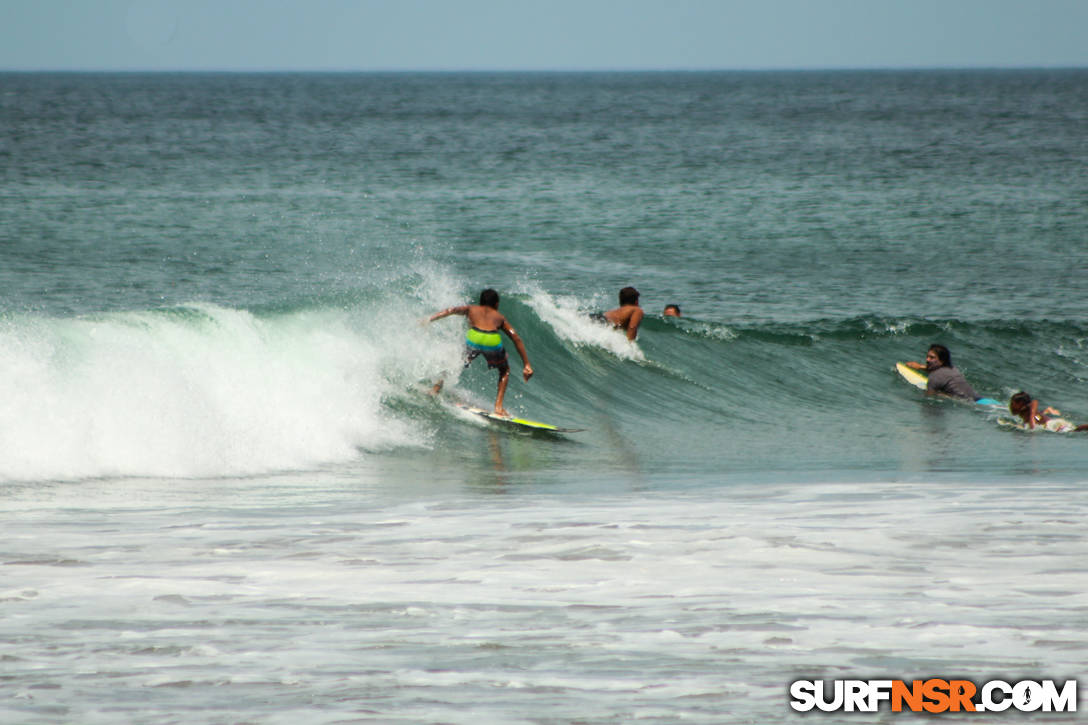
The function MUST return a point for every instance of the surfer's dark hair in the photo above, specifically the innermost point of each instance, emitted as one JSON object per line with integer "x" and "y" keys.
{"x": 942, "y": 354}
{"x": 673, "y": 307}
{"x": 1020, "y": 400}
{"x": 628, "y": 296}
{"x": 489, "y": 298}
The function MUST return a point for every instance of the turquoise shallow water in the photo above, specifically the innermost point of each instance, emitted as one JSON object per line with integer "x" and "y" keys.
{"x": 211, "y": 289}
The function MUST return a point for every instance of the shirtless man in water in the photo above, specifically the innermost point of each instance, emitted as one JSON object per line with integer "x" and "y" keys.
{"x": 485, "y": 323}
{"x": 628, "y": 315}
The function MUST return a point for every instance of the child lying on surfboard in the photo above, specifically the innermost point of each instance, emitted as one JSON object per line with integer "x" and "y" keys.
{"x": 1027, "y": 408}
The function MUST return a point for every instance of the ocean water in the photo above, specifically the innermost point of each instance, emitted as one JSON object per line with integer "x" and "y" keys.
{"x": 226, "y": 498}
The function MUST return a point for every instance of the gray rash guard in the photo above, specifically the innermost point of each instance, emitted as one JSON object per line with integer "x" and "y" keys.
{"x": 950, "y": 381}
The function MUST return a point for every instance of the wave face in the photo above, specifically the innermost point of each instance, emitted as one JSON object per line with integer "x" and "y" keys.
{"x": 203, "y": 390}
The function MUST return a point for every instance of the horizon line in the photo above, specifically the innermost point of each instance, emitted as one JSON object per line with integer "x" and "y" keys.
{"x": 748, "y": 69}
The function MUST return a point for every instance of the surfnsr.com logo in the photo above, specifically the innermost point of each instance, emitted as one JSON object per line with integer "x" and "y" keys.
{"x": 933, "y": 695}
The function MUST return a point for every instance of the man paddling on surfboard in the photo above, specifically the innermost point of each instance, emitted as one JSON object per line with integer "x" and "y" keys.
{"x": 944, "y": 379}
{"x": 485, "y": 322}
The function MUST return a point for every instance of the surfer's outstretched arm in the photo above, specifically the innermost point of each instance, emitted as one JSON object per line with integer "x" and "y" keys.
{"x": 459, "y": 310}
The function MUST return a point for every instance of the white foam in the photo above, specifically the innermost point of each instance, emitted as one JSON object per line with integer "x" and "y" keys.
{"x": 571, "y": 322}
{"x": 203, "y": 391}
{"x": 698, "y": 602}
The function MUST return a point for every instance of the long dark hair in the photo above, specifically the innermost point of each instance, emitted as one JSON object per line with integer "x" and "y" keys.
{"x": 942, "y": 354}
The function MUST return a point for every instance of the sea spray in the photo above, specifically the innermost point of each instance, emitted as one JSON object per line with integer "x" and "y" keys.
{"x": 199, "y": 390}
{"x": 570, "y": 318}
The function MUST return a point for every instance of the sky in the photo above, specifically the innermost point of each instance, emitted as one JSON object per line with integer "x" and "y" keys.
{"x": 391, "y": 35}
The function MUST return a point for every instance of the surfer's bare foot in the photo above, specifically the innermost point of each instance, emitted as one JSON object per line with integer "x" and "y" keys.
{"x": 437, "y": 388}
{"x": 502, "y": 412}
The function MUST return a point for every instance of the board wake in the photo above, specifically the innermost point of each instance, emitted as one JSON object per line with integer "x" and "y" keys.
{"x": 1053, "y": 425}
